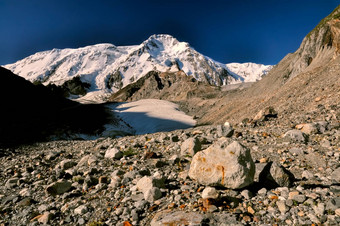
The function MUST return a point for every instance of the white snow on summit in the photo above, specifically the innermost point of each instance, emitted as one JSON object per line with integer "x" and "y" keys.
{"x": 251, "y": 72}
{"x": 108, "y": 68}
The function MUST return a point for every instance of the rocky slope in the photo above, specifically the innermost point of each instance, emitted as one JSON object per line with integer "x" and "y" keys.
{"x": 108, "y": 68}
{"x": 284, "y": 177}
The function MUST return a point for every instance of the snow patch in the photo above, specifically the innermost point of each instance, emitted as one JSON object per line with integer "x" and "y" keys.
{"x": 151, "y": 116}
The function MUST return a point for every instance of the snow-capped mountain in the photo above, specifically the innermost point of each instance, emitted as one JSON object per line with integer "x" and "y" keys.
{"x": 108, "y": 68}
{"x": 251, "y": 72}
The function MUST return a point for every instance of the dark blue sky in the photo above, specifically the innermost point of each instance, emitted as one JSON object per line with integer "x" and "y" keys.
{"x": 257, "y": 31}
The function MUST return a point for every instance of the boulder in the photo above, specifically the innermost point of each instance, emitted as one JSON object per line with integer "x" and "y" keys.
{"x": 58, "y": 188}
{"x": 336, "y": 175}
{"x": 113, "y": 153}
{"x": 210, "y": 193}
{"x": 223, "y": 164}
{"x": 310, "y": 128}
{"x": 152, "y": 194}
{"x": 296, "y": 136}
{"x": 190, "y": 146}
{"x": 265, "y": 114}
{"x": 274, "y": 175}
{"x": 225, "y": 130}
{"x": 146, "y": 183}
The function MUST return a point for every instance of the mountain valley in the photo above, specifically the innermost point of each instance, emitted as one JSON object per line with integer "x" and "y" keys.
{"x": 177, "y": 138}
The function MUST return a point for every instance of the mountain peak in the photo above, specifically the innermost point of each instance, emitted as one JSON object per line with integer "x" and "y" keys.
{"x": 107, "y": 68}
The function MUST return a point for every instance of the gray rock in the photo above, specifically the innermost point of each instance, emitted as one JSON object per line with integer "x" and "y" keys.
{"x": 45, "y": 218}
{"x": 152, "y": 194}
{"x": 296, "y": 136}
{"x": 333, "y": 204}
{"x": 113, "y": 153}
{"x": 259, "y": 167}
{"x": 58, "y": 188}
{"x": 190, "y": 146}
{"x": 322, "y": 126}
{"x": 265, "y": 114}
{"x": 310, "y": 128}
{"x": 282, "y": 206}
{"x": 335, "y": 176}
{"x": 306, "y": 174}
{"x": 274, "y": 175}
{"x": 146, "y": 183}
{"x": 296, "y": 151}
{"x": 67, "y": 164}
{"x": 210, "y": 193}
{"x": 225, "y": 130}
{"x": 319, "y": 209}
{"x": 80, "y": 210}
{"x": 299, "y": 198}
{"x": 223, "y": 219}
{"x": 225, "y": 165}
{"x": 247, "y": 194}
{"x": 177, "y": 218}
{"x": 12, "y": 182}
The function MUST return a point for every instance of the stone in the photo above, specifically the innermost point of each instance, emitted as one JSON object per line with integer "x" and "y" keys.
{"x": 296, "y": 151}
{"x": 309, "y": 128}
{"x": 225, "y": 130}
{"x": 274, "y": 175}
{"x": 80, "y": 210}
{"x": 12, "y": 182}
{"x": 322, "y": 126}
{"x": 152, "y": 194}
{"x": 335, "y": 176}
{"x": 262, "y": 191}
{"x": 282, "y": 206}
{"x": 223, "y": 164}
{"x": 306, "y": 174}
{"x": 113, "y": 153}
{"x": 210, "y": 193}
{"x": 57, "y": 188}
{"x": 247, "y": 194}
{"x": 292, "y": 194}
{"x": 148, "y": 182}
{"x": 83, "y": 161}
{"x": 177, "y": 218}
{"x": 265, "y": 114}
{"x": 337, "y": 212}
{"x": 25, "y": 192}
{"x": 299, "y": 198}
{"x": 67, "y": 164}
{"x": 190, "y": 146}
{"x": 296, "y": 136}
{"x": 333, "y": 204}
{"x": 258, "y": 170}
{"x": 319, "y": 209}
{"x": 45, "y": 218}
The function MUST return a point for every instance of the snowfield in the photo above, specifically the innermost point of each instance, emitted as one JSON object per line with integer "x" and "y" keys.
{"x": 151, "y": 115}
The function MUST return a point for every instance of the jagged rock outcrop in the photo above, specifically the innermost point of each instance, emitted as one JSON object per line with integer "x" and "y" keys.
{"x": 319, "y": 47}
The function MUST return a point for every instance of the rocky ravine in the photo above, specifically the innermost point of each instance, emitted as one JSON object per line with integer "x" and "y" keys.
{"x": 263, "y": 172}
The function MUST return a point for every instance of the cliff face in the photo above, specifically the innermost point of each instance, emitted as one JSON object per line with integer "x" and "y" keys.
{"x": 319, "y": 47}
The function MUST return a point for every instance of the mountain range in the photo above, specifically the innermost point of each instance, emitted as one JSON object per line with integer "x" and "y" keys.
{"x": 105, "y": 68}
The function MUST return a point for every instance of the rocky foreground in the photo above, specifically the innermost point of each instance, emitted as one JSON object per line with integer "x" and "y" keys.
{"x": 258, "y": 172}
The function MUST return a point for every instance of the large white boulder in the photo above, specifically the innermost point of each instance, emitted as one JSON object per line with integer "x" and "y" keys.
{"x": 223, "y": 164}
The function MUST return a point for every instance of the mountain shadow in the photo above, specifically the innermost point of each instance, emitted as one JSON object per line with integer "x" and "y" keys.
{"x": 33, "y": 113}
